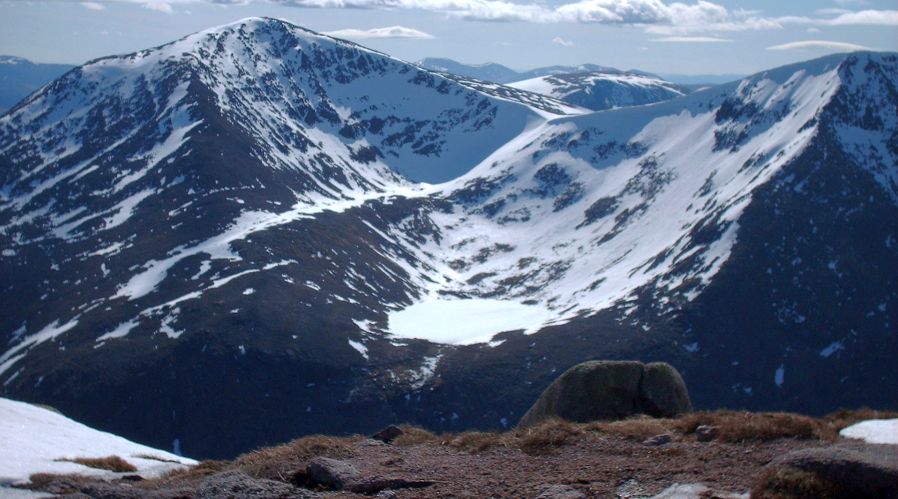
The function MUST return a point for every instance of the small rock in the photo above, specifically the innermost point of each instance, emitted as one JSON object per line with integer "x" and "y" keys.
{"x": 238, "y": 485}
{"x": 331, "y": 473}
{"x": 658, "y": 440}
{"x": 560, "y": 492}
{"x": 131, "y": 478}
{"x": 388, "y": 434}
{"x": 374, "y": 485}
{"x": 706, "y": 433}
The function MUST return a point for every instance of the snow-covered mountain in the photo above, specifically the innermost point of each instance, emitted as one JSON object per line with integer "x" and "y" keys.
{"x": 498, "y": 73}
{"x": 603, "y": 90}
{"x": 234, "y": 224}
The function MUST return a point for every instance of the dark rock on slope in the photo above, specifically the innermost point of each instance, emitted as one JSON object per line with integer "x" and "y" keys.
{"x": 610, "y": 390}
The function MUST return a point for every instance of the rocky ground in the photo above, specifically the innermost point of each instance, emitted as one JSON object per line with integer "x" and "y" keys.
{"x": 720, "y": 454}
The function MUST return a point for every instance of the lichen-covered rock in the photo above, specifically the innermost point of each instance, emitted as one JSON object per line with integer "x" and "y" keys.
{"x": 331, "y": 473}
{"x": 610, "y": 390}
{"x": 663, "y": 392}
{"x": 838, "y": 471}
{"x": 238, "y": 485}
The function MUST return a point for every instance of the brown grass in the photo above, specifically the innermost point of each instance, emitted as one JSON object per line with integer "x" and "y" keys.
{"x": 637, "y": 428}
{"x": 60, "y": 484}
{"x": 846, "y": 417}
{"x": 412, "y": 435}
{"x": 279, "y": 463}
{"x": 110, "y": 463}
{"x": 792, "y": 483}
{"x": 191, "y": 473}
{"x": 155, "y": 458}
{"x": 478, "y": 441}
{"x": 546, "y": 436}
{"x": 733, "y": 426}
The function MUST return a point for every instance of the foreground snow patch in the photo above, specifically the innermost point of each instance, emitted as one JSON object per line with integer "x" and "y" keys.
{"x": 464, "y": 322}
{"x": 874, "y": 431}
{"x": 33, "y": 438}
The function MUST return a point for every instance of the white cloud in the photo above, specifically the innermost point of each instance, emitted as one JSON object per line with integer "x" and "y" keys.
{"x": 865, "y": 18}
{"x": 164, "y": 7}
{"x": 93, "y": 6}
{"x": 561, "y": 41}
{"x": 690, "y": 39}
{"x": 813, "y": 30}
{"x": 819, "y": 45}
{"x": 664, "y": 18}
{"x": 389, "y": 32}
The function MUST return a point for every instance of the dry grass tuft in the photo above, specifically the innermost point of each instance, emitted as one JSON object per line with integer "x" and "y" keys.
{"x": 55, "y": 483}
{"x": 792, "y": 483}
{"x": 478, "y": 441}
{"x": 109, "y": 463}
{"x": 638, "y": 428}
{"x": 846, "y": 417}
{"x": 546, "y": 436}
{"x": 151, "y": 457}
{"x": 733, "y": 426}
{"x": 280, "y": 462}
{"x": 191, "y": 473}
{"x": 412, "y": 435}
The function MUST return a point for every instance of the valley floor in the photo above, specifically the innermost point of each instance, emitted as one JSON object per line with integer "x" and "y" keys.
{"x": 634, "y": 458}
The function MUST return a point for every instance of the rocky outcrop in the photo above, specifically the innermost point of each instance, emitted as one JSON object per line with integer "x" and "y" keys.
{"x": 839, "y": 471}
{"x": 609, "y": 390}
{"x": 237, "y": 484}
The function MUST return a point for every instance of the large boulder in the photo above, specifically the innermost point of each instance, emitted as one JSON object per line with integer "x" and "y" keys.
{"x": 662, "y": 392}
{"x": 611, "y": 390}
{"x": 838, "y": 471}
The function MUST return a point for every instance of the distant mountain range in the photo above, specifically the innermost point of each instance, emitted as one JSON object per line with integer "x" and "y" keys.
{"x": 19, "y": 77}
{"x": 608, "y": 89}
{"x": 498, "y": 73}
{"x": 258, "y": 231}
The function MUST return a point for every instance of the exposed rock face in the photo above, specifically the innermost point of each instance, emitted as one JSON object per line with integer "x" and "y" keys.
{"x": 239, "y": 485}
{"x": 848, "y": 470}
{"x": 662, "y": 391}
{"x": 331, "y": 473}
{"x": 611, "y": 390}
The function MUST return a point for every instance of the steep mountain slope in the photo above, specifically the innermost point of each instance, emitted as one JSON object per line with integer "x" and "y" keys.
{"x": 747, "y": 234}
{"x": 19, "y": 77}
{"x": 498, "y": 73}
{"x": 602, "y": 90}
{"x": 227, "y": 229}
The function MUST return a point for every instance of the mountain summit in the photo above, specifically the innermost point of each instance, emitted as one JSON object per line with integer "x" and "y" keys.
{"x": 235, "y": 223}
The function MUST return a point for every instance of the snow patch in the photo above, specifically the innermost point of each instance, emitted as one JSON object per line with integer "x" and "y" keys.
{"x": 464, "y": 322}
{"x": 874, "y": 431}
{"x": 34, "y": 438}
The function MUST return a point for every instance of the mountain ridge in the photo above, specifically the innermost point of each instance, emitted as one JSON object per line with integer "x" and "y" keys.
{"x": 246, "y": 230}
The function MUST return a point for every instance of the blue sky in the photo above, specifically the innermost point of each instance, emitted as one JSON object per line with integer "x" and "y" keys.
{"x": 685, "y": 36}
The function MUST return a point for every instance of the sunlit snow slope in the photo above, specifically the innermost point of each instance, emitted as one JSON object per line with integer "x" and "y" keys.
{"x": 602, "y": 90}
{"x": 39, "y": 440}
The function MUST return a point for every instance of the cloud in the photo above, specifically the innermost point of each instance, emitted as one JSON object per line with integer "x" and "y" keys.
{"x": 164, "y": 7}
{"x": 561, "y": 41}
{"x": 865, "y": 18}
{"x": 819, "y": 45}
{"x": 664, "y": 18}
{"x": 690, "y": 39}
{"x": 93, "y": 6}
{"x": 389, "y": 32}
